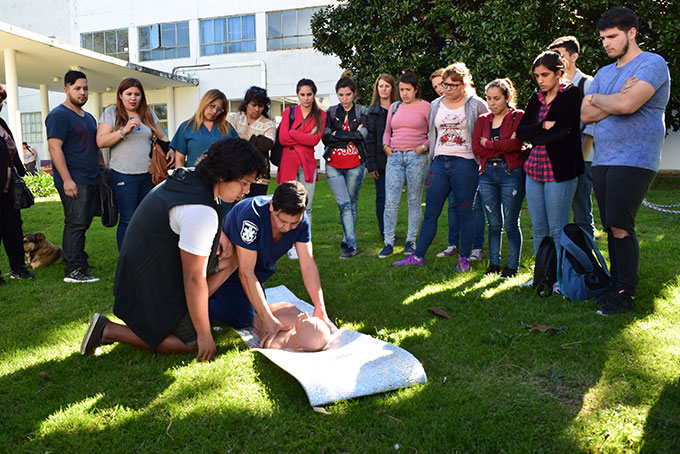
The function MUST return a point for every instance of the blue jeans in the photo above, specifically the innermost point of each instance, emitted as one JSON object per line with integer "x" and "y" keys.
{"x": 403, "y": 166}
{"x": 502, "y": 191}
{"x": 459, "y": 176}
{"x": 310, "y": 189}
{"x": 582, "y": 206}
{"x": 549, "y": 206}
{"x": 454, "y": 228}
{"x": 129, "y": 190}
{"x": 380, "y": 201}
{"x": 345, "y": 185}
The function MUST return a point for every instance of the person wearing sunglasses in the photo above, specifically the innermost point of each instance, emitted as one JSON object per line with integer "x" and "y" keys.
{"x": 207, "y": 126}
{"x": 454, "y": 168}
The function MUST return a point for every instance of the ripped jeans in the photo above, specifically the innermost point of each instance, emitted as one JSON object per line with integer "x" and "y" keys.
{"x": 502, "y": 191}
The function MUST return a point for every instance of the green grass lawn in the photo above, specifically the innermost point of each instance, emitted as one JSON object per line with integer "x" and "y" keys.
{"x": 600, "y": 385}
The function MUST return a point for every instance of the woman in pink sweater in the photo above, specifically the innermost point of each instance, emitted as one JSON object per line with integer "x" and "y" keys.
{"x": 406, "y": 144}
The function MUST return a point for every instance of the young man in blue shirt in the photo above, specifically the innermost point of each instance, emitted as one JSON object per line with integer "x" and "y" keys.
{"x": 262, "y": 230}
{"x": 72, "y": 143}
{"x": 626, "y": 101}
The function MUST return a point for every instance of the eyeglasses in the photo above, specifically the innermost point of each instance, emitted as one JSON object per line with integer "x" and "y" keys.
{"x": 217, "y": 109}
{"x": 449, "y": 86}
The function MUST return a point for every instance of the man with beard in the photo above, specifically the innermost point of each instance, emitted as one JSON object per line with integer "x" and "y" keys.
{"x": 71, "y": 138}
{"x": 626, "y": 101}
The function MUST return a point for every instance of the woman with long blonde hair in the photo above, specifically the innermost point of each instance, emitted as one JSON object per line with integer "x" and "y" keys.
{"x": 208, "y": 125}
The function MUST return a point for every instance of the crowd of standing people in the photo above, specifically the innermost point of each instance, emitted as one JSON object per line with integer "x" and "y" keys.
{"x": 482, "y": 156}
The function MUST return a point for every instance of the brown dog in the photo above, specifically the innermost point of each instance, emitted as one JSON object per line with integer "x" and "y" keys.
{"x": 40, "y": 252}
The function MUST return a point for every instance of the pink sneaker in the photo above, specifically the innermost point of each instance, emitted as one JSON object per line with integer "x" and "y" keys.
{"x": 476, "y": 254}
{"x": 410, "y": 260}
{"x": 463, "y": 264}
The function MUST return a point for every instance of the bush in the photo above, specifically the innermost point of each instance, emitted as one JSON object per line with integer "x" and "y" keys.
{"x": 40, "y": 184}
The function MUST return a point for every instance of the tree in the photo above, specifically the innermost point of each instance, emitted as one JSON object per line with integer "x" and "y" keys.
{"x": 495, "y": 38}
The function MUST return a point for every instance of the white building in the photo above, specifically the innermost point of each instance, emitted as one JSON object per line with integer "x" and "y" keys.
{"x": 227, "y": 45}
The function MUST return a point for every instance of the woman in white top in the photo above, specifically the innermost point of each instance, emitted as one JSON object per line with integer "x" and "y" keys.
{"x": 454, "y": 167}
{"x": 253, "y": 124}
{"x": 126, "y": 128}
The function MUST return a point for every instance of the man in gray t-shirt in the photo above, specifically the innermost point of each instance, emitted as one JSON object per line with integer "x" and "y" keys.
{"x": 626, "y": 102}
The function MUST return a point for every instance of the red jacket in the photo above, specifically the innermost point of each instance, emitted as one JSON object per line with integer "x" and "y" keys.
{"x": 298, "y": 146}
{"x": 510, "y": 148}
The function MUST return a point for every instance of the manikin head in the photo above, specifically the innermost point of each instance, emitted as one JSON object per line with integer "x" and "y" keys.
{"x": 310, "y": 334}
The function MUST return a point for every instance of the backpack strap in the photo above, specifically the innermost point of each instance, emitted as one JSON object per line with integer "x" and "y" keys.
{"x": 593, "y": 247}
{"x": 582, "y": 85}
{"x": 394, "y": 109}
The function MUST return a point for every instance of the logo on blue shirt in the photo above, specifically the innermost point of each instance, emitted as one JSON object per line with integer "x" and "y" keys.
{"x": 248, "y": 232}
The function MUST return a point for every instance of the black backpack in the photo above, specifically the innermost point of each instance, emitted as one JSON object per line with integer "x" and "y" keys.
{"x": 545, "y": 268}
{"x": 277, "y": 150}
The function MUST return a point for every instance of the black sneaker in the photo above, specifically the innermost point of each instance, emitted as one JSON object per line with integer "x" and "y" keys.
{"x": 343, "y": 247}
{"x": 77, "y": 276}
{"x": 386, "y": 251}
{"x": 493, "y": 269}
{"x": 349, "y": 252}
{"x": 93, "y": 336}
{"x": 409, "y": 248}
{"x": 608, "y": 294}
{"x": 508, "y": 273}
{"x": 21, "y": 274}
{"x": 620, "y": 303}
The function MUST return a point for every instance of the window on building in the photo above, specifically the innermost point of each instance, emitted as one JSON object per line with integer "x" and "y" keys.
{"x": 109, "y": 42}
{"x": 164, "y": 41}
{"x": 31, "y": 127}
{"x": 290, "y": 29}
{"x": 227, "y": 35}
{"x": 161, "y": 111}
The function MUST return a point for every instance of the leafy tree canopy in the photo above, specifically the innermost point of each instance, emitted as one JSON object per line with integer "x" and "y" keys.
{"x": 495, "y": 38}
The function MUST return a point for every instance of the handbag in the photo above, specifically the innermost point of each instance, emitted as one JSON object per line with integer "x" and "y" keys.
{"x": 277, "y": 150}
{"x": 21, "y": 196}
{"x": 159, "y": 166}
{"x": 107, "y": 201}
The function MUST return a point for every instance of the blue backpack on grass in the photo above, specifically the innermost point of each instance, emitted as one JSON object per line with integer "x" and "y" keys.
{"x": 581, "y": 270}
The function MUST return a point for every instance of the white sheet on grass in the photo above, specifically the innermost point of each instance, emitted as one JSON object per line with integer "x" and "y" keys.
{"x": 351, "y": 365}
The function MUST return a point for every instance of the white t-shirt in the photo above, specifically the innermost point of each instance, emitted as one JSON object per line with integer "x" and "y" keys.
{"x": 452, "y": 129}
{"x": 196, "y": 226}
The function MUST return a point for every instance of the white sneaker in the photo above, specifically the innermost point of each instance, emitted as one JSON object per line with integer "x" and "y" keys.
{"x": 556, "y": 288}
{"x": 476, "y": 254}
{"x": 448, "y": 252}
{"x": 292, "y": 253}
{"x": 528, "y": 283}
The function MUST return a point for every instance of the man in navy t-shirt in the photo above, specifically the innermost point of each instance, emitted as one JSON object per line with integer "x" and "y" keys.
{"x": 626, "y": 102}
{"x": 72, "y": 143}
{"x": 262, "y": 230}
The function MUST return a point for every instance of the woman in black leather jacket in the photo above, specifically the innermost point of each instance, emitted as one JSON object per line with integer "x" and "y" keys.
{"x": 384, "y": 94}
{"x": 345, "y": 153}
{"x": 10, "y": 219}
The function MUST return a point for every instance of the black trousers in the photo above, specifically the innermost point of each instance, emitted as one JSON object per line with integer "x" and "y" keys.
{"x": 78, "y": 214}
{"x": 11, "y": 233}
{"x": 619, "y": 191}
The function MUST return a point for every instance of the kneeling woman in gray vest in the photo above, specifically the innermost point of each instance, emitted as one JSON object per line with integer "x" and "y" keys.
{"x": 174, "y": 256}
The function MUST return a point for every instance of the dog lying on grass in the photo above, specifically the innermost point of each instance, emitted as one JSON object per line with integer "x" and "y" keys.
{"x": 40, "y": 252}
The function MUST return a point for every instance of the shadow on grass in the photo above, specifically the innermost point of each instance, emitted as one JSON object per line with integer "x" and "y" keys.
{"x": 662, "y": 431}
